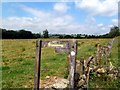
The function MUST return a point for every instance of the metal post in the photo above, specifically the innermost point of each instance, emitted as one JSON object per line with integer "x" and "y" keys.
{"x": 37, "y": 65}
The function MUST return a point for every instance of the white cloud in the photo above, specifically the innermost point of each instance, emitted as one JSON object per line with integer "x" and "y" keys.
{"x": 61, "y": 7}
{"x": 110, "y": 26}
{"x": 42, "y": 20}
{"x": 115, "y": 21}
{"x": 35, "y": 12}
{"x": 99, "y": 7}
{"x": 100, "y": 25}
{"x": 56, "y": 25}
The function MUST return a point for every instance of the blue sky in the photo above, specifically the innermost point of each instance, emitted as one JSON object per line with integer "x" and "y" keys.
{"x": 84, "y": 17}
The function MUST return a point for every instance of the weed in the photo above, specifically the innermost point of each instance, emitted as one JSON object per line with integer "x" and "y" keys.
{"x": 23, "y": 49}
{"x": 5, "y": 68}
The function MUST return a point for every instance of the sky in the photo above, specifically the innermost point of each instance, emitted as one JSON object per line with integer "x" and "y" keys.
{"x": 60, "y": 17}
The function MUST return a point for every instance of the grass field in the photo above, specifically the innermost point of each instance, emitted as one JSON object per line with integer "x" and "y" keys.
{"x": 18, "y": 59}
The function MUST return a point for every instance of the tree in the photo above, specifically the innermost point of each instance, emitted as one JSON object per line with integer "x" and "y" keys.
{"x": 11, "y": 34}
{"x": 37, "y": 35}
{"x": 61, "y": 36}
{"x": 78, "y": 36}
{"x": 25, "y": 34}
{"x": 114, "y": 31}
{"x": 45, "y": 33}
{"x": 68, "y": 36}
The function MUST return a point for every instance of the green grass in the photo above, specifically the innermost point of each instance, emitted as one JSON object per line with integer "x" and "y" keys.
{"x": 87, "y": 47}
{"x": 104, "y": 81}
{"x": 53, "y": 64}
{"x": 18, "y": 63}
{"x": 18, "y": 60}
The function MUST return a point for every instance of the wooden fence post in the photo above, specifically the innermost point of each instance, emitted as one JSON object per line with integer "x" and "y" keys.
{"x": 107, "y": 55}
{"x": 68, "y": 57}
{"x": 98, "y": 54}
{"x": 88, "y": 69}
{"x": 82, "y": 67}
{"x": 37, "y": 65}
{"x": 73, "y": 52}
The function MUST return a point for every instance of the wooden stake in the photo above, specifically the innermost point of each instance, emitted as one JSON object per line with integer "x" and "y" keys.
{"x": 107, "y": 55}
{"x": 73, "y": 64}
{"x": 37, "y": 65}
{"x": 82, "y": 68}
{"x": 98, "y": 54}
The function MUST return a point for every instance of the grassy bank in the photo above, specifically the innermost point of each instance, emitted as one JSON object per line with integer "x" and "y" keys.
{"x": 18, "y": 59}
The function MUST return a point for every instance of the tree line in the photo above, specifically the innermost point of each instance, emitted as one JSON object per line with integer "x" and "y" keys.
{"x": 23, "y": 34}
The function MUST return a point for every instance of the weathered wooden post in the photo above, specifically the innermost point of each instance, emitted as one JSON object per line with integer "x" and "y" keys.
{"x": 82, "y": 68}
{"x": 37, "y": 65}
{"x": 88, "y": 69}
{"x": 111, "y": 44}
{"x": 98, "y": 54}
{"x": 107, "y": 54}
{"x": 73, "y": 52}
{"x": 68, "y": 57}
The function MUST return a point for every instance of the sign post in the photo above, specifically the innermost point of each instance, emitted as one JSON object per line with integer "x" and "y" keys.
{"x": 73, "y": 52}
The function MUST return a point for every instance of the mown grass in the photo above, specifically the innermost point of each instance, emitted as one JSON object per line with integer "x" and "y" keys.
{"x": 18, "y": 60}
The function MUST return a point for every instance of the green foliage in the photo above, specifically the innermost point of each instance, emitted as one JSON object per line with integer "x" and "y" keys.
{"x": 20, "y": 34}
{"x": 46, "y": 33}
{"x": 68, "y": 36}
{"x": 115, "y": 31}
{"x": 23, "y": 34}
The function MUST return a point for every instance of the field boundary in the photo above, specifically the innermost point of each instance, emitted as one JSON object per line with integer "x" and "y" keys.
{"x": 79, "y": 70}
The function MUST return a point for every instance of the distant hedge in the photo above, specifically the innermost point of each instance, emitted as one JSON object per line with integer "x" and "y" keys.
{"x": 23, "y": 34}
